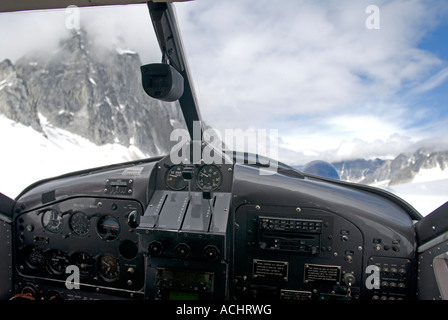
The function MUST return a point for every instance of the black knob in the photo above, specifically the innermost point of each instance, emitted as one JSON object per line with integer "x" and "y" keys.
{"x": 211, "y": 253}
{"x": 134, "y": 219}
{"x": 155, "y": 248}
{"x": 183, "y": 250}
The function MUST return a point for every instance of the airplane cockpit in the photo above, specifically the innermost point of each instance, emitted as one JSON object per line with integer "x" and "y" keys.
{"x": 208, "y": 223}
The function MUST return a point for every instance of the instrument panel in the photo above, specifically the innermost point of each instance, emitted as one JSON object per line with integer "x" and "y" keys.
{"x": 160, "y": 230}
{"x": 184, "y": 231}
{"x": 88, "y": 235}
{"x": 317, "y": 256}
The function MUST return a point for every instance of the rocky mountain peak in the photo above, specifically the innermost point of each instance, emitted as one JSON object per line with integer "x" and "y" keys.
{"x": 13, "y": 97}
{"x": 93, "y": 92}
{"x": 402, "y": 169}
{"x": 6, "y": 70}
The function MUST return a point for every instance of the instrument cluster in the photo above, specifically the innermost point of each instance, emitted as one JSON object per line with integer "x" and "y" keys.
{"x": 208, "y": 231}
{"x": 89, "y": 235}
{"x": 207, "y": 177}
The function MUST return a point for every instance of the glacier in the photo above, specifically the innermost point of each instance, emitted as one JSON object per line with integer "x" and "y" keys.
{"x": 29, "y": 155}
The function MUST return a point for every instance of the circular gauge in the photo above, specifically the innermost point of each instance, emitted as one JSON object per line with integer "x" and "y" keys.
{"x": 85, "y": 263}
{"x": 35, "y": 257}
{"x": 80, "y": 224}
{"x": 209, "y": 177}
{"x": 108, "y": 227}
{"x": 52, "y": 221}
{"x": 174, "y": 179}
{"x": 108, "y": 267}
{"x": 57, "y": 261}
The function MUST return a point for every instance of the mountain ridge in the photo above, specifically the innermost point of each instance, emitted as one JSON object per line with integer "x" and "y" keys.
{"x": 92, "y": 91}
{"x": 404, "y": 168}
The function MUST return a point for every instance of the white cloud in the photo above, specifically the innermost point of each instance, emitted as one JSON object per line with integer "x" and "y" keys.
{"x": 365, "y": 127}
{"x": 358, "y": 148}
{"x": 303, "y": 55}
{"x": 314, "y": 71}
{"x": 299, "y": 56}
{"x": 127, "y": 26}
{"x": 22, "y": 32}
{"x": 434, "y": 81}
{"x": 346, "y": 137}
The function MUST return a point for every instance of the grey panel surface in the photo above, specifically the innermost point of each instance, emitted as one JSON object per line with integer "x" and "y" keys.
{"x": 6, "y": 261}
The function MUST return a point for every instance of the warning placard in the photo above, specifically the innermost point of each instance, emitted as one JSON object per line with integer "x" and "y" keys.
{"x": 317, "y": 273}
{"x": 275, "y": 270}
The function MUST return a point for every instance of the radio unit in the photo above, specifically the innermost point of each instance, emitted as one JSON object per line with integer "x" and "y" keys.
{"x": 175, "y": 284}
{"x": 295, "y": 235}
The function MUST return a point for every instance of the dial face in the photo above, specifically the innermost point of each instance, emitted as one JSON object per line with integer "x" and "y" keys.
{"x": 80, "y": 224}
{"x": 35, "y": 257}
{"x": 57, "y": 261}
{"x": 52, "y": 221}
{"x": 85, "y": 263}
{"x": 209, "y": 177}
{"x": 108, "y": 227}
{"x": 174, "y": 179}
{"x": 108, "y": 267}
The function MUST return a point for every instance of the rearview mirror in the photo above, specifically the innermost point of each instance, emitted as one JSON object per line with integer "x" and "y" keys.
{"x": 161, "y": 81}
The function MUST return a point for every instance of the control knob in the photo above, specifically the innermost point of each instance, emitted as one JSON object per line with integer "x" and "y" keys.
{"x": 155, "y": 248}
{"x": 183, "y": 250}
{"x": 349, "y": 279}
{"x": 211, "y": 253}
{"x": 134, "y": 219}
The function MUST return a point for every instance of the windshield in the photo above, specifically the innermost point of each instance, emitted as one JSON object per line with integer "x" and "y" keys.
{"x": 71, "y": 96}
{"x": 361, "y": 86}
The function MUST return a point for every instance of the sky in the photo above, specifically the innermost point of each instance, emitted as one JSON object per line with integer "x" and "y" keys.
{"x": 337, "y": 81}
{"x": 334, "y": 88}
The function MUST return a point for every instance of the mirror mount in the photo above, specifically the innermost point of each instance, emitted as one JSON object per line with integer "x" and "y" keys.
{"x": 161, "y": 81}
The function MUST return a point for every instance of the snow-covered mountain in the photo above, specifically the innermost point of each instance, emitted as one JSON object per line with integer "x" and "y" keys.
{"x": 420, "y": 178}
{"x": 93, "y": 92}
{"x": 77, "y": 107}
{"x": 419, "y": 166}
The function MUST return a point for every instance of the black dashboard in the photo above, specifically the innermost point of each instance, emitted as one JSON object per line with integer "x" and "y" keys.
{"x": 157, "y": 230}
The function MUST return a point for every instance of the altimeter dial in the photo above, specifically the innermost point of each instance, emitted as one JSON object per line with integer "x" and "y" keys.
{"x": 85, "y": 263}
{"x": 57, "y": 261}
{"x": 209, "y": 177}
{"x": 52, "y": 221}
{"x": 109, "y": 268}
{"x": 174, "y": 179}
{"x": 80, "y": 224}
